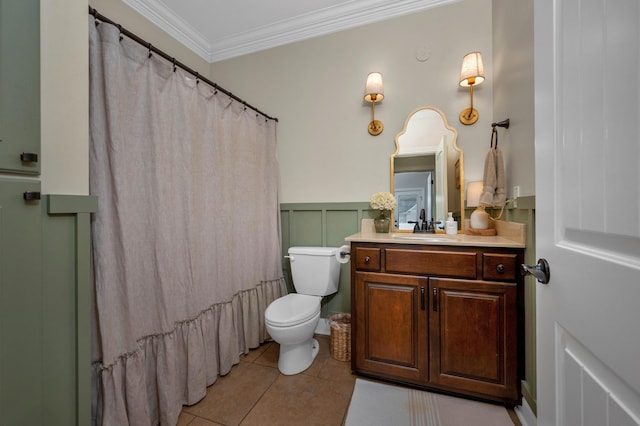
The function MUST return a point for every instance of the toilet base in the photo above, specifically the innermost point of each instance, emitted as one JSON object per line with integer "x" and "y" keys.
{"x": 296, "y": 358}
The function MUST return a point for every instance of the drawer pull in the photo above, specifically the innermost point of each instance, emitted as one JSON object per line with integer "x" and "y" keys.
{"x": 435, "y": 300}
{"x": 422, "y": 307}
{"x": 29, "y": 157}
{"x": 30, "y": 196}
{"x": 500, "y": 268}
{"x": 367, "y": 259}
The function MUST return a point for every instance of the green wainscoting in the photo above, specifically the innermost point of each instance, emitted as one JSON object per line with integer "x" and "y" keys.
{"x": 66, "y": 237}
{"x": 323, "y": 224}
{"x": 45, "y": 307}
{"x": 526, "y": 213}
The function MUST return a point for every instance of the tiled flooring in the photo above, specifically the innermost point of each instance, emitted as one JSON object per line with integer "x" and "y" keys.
{"x": 255, "y": 393}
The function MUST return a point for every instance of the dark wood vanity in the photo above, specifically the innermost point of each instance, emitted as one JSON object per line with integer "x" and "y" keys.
{"x": 442, "y": 317}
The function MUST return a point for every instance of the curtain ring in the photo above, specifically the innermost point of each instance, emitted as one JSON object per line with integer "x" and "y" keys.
{"x": 197, "y": 77}
{"x": 149, "y": 46}
{"x": 173, "y": 61}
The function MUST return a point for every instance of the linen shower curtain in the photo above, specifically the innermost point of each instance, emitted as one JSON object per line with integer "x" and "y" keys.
{"x": 186, "y": 241}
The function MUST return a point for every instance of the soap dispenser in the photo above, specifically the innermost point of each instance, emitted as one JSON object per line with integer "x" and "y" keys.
{"x": 450, "y": 225}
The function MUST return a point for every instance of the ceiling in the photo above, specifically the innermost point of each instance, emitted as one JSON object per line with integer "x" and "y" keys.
{"x": 223, "y": 29}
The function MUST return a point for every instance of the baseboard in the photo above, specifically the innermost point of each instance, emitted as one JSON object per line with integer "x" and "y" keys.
{"x": 525, "y": 414}
{"x": 323, "y": 327}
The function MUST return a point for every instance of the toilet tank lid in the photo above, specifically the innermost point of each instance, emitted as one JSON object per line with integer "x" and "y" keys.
{"x": 314, "y": 251}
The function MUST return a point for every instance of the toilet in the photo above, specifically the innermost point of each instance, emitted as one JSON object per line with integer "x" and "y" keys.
{"x": 292, "y": 319}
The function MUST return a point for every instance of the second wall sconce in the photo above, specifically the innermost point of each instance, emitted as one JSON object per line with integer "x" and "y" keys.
{"x": 374, "y": 93}
{"x": 471, "y": 74}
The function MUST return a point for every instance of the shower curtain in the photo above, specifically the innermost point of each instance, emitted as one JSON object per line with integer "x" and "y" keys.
{"x": 186, "y": 241}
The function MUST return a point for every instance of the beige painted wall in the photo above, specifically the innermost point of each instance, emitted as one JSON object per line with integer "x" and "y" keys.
{"x": 513, "y": 91}
{"x": 64, "y": 85}
{"x": 315, "y": 88}
{"x": 64, "y": 97}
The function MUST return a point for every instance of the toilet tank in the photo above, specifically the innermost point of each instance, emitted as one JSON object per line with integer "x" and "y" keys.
{"x": 315, "y": 270}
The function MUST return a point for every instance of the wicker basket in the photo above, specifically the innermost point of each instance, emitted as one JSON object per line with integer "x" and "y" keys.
{"x": 340, "y": 336}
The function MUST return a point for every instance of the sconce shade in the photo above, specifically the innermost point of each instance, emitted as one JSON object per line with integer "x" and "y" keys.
{"x": 472, "y": 72}
{"x": 374, "y": 93}
{"x": 374, "y": 90}
{"x": 474, "y": 190}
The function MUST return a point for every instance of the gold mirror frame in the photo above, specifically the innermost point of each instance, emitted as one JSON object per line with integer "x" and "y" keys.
{"x": 425, "y": 131}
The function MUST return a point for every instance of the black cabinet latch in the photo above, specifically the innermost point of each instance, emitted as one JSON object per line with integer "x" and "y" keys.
{"x": 31, "y": 195}
{"x": 29, "y": 157}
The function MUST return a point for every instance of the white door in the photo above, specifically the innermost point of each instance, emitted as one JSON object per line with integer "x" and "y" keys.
{"x": 587, "y": 81}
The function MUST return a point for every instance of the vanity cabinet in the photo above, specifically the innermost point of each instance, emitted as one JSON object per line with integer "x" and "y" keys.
{"x": 440, "y": 317}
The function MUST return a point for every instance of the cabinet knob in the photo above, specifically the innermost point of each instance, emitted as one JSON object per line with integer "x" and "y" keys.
{"x": 500, "y": 268}
{"x": 367, "y": 259}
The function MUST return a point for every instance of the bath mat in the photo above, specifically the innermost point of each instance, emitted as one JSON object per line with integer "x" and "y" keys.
{"x": 378, "y": 404}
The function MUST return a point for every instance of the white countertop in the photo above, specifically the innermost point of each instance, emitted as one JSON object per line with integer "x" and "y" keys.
{"x": 509, "y": 234}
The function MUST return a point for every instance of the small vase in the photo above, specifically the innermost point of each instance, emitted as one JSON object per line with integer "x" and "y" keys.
{"x": 381, "y": 223}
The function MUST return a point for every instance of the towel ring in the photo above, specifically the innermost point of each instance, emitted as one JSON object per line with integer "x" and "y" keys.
{"x": 494, "y": 134}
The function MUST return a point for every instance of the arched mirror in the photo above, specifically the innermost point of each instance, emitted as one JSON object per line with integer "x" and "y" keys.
{"x": 427, "y": 171}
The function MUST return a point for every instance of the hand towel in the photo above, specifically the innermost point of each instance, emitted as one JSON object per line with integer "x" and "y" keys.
{"x": 500, "y": 196}
{"x": 493, "y": 180}
{"x": 489, "y": 179}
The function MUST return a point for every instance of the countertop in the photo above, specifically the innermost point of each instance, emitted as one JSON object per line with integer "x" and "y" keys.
{"x": 509, "y": 234}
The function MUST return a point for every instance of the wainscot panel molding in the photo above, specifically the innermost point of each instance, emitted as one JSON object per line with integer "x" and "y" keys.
{"x": 327, "y": 225}
{"x": 66, "y": 237}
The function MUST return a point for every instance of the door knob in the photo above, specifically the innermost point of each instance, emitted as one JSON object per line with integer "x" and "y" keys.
{"x": 540, "y": 271}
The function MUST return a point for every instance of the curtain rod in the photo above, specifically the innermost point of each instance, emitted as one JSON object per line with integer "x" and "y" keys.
{"x": 174, "y": 62}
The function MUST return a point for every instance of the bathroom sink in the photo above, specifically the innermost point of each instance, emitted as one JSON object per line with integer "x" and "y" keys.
{"x": 428, "y": 238}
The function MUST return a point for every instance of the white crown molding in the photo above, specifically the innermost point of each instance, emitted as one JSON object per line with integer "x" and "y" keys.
{"x": 164, "y": 18}
{"x": 332, "y": 19}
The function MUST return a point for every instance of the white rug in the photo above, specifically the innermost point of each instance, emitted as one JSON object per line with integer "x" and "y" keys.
{"x": 378, "y": 404}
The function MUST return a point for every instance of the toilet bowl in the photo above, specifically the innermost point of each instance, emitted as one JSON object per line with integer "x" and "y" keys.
{"x": 292, "y": 319}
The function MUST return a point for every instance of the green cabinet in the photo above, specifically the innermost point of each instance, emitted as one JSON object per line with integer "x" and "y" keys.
{"x": 21, "y": 299}
{"x": 20, "y": 86}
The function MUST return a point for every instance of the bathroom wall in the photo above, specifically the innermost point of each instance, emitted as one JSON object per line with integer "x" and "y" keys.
{"x": 64, "y": 98}
{"x": 513, "y": 90}
{"x": 315, "y": 88}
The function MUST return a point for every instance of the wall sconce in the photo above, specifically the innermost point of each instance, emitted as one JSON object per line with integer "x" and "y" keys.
{"x": 374, "y": 93}
{"x": 471, "y": 74}
{"x": 479, "y": 218}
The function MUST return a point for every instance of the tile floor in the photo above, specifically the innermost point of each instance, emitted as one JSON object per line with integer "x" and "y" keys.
{"x": 318, "y": 396}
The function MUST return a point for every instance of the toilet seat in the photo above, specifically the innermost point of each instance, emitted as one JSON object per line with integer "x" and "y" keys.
{"x": 292, "y": 309}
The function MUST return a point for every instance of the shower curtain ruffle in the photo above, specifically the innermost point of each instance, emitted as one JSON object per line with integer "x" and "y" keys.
{"x": 183, "y": 361}
{"x": 186, "y": 239}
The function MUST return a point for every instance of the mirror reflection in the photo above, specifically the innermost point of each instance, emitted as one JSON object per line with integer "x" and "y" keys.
{"x": 427, "y": 172}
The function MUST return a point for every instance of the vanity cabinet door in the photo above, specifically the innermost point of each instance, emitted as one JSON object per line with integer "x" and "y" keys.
{"x": 473, "y": 338}
{"x": 390, "y": 335}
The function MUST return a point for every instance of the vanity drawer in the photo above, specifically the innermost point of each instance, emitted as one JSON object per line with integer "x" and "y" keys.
{"x": 499, "y": 267}
{"x": 428, "y": 262}
{"x": 367, "y": 259}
